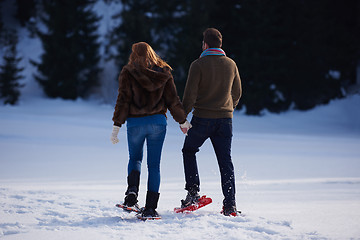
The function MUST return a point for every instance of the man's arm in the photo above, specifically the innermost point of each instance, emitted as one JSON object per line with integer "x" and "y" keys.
{"x": 191, "y": 87}
{"x": 236, "y": 89}
{"x": 172, "y": 101}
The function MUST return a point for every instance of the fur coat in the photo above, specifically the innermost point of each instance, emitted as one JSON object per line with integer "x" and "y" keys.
{"x": 143, "y": 92}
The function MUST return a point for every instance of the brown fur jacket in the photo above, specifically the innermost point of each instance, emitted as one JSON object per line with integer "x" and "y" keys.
{"x": 144, "y": 92}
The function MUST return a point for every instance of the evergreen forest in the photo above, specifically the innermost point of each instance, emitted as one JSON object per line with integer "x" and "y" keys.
{"x": 291, "y": 54}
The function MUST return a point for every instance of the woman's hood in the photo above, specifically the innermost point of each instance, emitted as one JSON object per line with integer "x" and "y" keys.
{"x": 149, "y": 79}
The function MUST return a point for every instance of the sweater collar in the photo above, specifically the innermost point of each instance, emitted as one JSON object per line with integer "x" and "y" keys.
{"x": 213, "y": 51}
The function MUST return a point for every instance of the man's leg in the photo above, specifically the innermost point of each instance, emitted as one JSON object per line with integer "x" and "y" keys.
{"x": 221, "y": 141}
{"x": 195, "y": 139}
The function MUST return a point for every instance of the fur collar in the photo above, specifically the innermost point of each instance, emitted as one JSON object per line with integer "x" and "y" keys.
{"x": 149, "y": 79}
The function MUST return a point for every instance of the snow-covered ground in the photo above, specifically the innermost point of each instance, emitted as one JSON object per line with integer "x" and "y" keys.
{"x": 297, "y": 176}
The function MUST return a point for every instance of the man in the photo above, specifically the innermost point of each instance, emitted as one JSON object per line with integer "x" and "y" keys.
{"x": 213, "y": 89}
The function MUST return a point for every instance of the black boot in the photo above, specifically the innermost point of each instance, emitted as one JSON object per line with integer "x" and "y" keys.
{"x": 131, "y": 193}
{"x": 149, "y": 211}
{"x": 192, "y": 196}
{"x": 230, "y": 211}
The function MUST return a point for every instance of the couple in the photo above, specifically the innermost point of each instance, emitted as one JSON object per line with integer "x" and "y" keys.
{"x": 147, "y": 90}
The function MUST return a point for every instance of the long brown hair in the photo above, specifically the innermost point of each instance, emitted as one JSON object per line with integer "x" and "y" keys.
{"x": 143, "y": 55}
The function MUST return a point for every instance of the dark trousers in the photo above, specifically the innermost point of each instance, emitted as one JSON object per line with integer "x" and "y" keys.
{"x": 220, "y": 133}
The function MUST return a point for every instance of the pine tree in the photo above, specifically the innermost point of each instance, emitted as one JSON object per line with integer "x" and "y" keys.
{"x": 324, "y": 43}
{"x": 1, "y": 21}
{"x": 285, "y": 50}
{"x": 136, "y": 26}
{"x": 25, "y": 10}
{"x": 9, "y": 71}
{"x": 190, "y": 19}
{"x": 69, "y": 65}
{"x": 255, "y": 38}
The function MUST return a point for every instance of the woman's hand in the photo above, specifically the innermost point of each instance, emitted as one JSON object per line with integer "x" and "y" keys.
{"x": 114, "y": 139}
{"x": 185, "y": 127}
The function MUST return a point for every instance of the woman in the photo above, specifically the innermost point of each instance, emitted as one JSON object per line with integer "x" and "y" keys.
{"x": 146, "y": 91}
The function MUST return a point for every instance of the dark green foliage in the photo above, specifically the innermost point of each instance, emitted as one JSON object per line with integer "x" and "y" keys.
{"x": 287, "y": 51}
{"x": 193, "y": 17}
{"x": 290, "y": 54}
{"x": 1, "y": 21}
{"x": 136, "y": 26}
{"x": 260, "y": 48}
{"x": 25, "y": 10}
{"x": 9, "y": 70}
{"x": 314, "y": 31}
{"x": 69, "y": 65}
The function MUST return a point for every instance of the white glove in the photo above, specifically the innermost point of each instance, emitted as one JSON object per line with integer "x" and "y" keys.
{"x": 185, "y": 127}
{"x": 114, "y": 139}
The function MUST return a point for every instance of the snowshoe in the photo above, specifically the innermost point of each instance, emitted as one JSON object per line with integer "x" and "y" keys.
{"x": 199, "y": 203}
{"x": 126, "y": 208}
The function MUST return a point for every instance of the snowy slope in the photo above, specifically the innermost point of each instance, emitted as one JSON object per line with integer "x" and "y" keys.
{"x": 297, "y": 176}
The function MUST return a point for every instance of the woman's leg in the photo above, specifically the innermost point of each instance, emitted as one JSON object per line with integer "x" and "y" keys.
{"x": 136, "y": 138}
{"x": 155, "y": 141}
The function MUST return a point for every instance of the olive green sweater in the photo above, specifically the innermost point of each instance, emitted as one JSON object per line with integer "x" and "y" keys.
{"x": 213, "y": 87}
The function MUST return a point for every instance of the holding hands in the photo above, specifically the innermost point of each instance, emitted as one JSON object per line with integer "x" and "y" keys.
{"x": 185, "y": 127}
{"x": 115, "y": 131}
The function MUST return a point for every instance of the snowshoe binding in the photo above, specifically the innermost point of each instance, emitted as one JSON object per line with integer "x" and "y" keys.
{"x": 130, "y": 203}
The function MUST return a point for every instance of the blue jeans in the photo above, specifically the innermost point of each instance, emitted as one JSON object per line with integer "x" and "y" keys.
{"x": 154, "y": 135}
{"x": 220, "y": 133}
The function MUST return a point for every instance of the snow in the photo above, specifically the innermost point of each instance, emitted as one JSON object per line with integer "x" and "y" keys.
{"x": 297, "y": 176}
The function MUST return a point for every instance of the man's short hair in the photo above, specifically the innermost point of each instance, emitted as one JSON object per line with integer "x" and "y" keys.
{"x": 212, "y": 37}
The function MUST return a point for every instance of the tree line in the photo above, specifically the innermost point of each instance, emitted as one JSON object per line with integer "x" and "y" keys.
{"x": 290, "y": 54}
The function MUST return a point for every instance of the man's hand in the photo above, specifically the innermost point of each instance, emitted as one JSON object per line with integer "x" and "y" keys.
{"x": 114, "y": 139}
{"x": 185, "y": 127}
